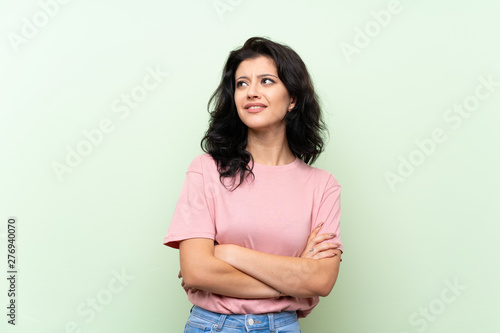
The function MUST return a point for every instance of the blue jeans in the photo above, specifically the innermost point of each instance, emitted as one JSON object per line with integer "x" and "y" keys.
{"x": 202, "y": 321}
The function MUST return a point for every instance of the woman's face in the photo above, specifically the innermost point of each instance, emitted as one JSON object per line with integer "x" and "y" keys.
{"x": 261, "y": 98}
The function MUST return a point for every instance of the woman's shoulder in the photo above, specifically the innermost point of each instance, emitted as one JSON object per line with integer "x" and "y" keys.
{"x": 202, "y": 163}
{"x": 320, "y": 175}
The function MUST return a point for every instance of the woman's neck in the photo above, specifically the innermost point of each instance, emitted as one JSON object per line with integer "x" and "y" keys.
{"x": 269, "y": 149}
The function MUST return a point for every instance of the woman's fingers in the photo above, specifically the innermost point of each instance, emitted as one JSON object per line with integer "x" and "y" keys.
{"x": 317, "y": 240}
{"x": 324, "y": 247}
{"x": 315, "y": 232}
{"x": 325, "y": 254}
{"x": 317, "y": 244}
{"x": 317, "y": 248}
{"x": 322, "y": 237}
{"x": 323, "y": 250}
{"x": 183, "y": 285}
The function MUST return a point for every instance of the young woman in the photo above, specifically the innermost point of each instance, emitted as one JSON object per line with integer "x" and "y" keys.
{"x": 256, "y": 226}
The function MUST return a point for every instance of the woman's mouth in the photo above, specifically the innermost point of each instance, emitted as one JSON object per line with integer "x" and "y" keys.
{"x": 254, "y": 108}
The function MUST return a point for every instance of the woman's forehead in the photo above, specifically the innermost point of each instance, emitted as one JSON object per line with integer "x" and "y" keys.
{"x": 256, "y": 65}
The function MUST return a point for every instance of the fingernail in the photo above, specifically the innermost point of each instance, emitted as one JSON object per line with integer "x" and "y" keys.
{"x": 321, "y": 224}
{"x": 333, "y": 235}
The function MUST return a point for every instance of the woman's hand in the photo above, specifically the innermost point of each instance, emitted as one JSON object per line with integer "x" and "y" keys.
{"x": 315, "y": 250}
{"x": 183, "y": 285}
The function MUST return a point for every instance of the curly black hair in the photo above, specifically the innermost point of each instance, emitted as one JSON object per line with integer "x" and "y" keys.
{"x": 226, "y": 137}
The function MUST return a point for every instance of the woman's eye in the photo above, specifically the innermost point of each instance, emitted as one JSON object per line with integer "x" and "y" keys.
{"x": 267, "y": 81}
{"x": 240, "y": 83}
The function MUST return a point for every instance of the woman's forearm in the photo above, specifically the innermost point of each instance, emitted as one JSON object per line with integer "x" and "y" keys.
{"x": 299, "y": 277}
{"x": 202, "y": 270}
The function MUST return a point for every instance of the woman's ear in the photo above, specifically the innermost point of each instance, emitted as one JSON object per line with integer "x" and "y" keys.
{"x": 293, "y": 102}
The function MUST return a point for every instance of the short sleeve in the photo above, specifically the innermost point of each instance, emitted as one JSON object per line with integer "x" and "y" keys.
{"x": 192, "y": 217}
{"x": 328, "y": 211}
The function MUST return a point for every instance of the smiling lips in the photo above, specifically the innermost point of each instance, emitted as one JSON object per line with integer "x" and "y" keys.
{"x": 254, "y": 107}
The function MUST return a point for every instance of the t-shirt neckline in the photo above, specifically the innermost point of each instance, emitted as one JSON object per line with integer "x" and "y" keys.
{"x": 278, "y": 167}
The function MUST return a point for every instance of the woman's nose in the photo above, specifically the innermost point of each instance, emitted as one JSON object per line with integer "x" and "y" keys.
{"x": 253, "y": 91}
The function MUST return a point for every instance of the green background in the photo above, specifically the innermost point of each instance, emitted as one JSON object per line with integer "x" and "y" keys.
{"x": 420, "y": 253}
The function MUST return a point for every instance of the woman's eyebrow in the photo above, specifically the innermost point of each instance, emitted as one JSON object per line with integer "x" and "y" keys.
{"x": 258, "y": 76}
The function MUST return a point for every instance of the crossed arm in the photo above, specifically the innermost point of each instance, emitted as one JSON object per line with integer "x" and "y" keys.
{"x": 236, "y": 271}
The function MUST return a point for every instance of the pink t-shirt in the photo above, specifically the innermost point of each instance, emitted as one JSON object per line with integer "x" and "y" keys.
{"x": 274, "y": 213}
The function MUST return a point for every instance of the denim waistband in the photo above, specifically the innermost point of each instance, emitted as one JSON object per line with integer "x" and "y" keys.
{"x": 269, "y": 321}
